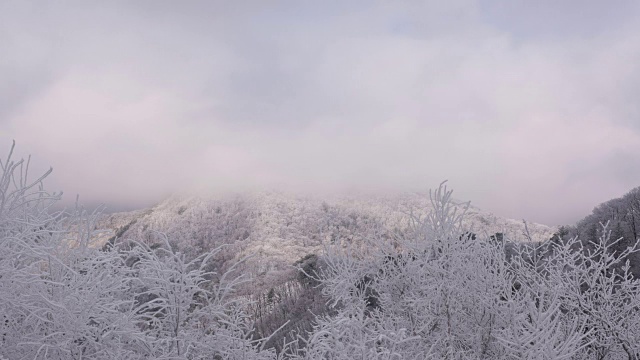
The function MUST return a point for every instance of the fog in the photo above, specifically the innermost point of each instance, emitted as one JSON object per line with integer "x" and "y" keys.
{"x": 530, "y": 111}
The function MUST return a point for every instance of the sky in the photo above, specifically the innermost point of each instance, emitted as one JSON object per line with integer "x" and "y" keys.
{"x": 528, "y": 108}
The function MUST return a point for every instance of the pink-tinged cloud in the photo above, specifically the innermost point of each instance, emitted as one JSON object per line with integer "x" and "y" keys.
{"x": 535, "y": 119}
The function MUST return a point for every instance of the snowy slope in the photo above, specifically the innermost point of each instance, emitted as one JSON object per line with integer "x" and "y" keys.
{"x": 277, "y": 229}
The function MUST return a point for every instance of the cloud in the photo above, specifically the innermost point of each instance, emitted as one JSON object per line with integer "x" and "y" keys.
{"x": 132, "y": 101}
{"x": 550, "y": 20}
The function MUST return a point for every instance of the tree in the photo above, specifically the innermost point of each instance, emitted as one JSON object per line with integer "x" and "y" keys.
{"x": 446, "y": 296}
{"x": 186, "y": 314}
{"x": 60, "y": 298}
{"x": 63, "y": 295}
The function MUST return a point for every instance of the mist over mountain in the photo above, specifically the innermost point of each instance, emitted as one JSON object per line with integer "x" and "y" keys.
{"x": 308, "y": 130}
{"x": 276, "y": 229}
{"x": 272, "y": 275}
{"x": 276, "y": 233}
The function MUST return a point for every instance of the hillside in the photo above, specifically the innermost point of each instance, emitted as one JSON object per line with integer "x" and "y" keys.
{"x": 277, "y": 229}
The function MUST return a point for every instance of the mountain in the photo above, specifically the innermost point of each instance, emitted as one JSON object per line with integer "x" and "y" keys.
{"x": 277, "y": 229}
{"x": 276, "y": 232}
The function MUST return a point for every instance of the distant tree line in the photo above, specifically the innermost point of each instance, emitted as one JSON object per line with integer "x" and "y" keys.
{"x": 622, "y": 216}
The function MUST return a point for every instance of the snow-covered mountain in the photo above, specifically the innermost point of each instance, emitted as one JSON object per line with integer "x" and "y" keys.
{"x": 276, "y": 232}
{"x": 277, "y": 229}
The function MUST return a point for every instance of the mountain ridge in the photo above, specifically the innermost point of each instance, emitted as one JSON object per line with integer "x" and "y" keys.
{"x": 276, "y": 229}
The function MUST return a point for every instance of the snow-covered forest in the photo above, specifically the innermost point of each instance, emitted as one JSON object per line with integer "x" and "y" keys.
{"x": 422, "y": 283}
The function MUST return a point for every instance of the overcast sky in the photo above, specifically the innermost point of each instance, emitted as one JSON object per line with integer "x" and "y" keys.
{"x": 531, "y": 109}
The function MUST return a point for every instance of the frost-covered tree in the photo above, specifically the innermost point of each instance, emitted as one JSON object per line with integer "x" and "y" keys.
{"x": 59, "y": 297}
{"x": 188, "y": 315}
{"x": 65, "y": 296}
{"x": 437, "y": 293}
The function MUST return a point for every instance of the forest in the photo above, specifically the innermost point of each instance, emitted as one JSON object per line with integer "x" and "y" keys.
{"x": 428, "y": 287}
